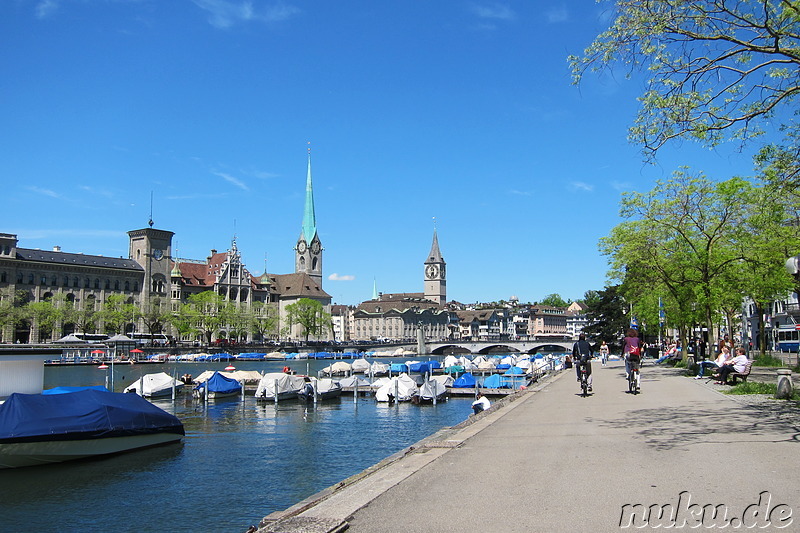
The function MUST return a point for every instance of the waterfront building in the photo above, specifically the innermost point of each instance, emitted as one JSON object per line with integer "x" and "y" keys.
{"x": 576, "y": 319}
{"x": 398, "y": 316}
{"x": 548, "y": 322}
{"x": 150, "y": 276}
{"x": 479, "y": 325}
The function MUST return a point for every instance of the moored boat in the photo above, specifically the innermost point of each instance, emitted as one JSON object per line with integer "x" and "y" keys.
{"x": 37, "y": 429}
{"x": 217, "y": 386}
{"x": 284, "y": 386}
{"x": 324, "y": 388}
{"x": 156, "y": 385}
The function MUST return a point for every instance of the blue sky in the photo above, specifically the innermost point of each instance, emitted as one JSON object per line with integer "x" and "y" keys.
{"x": 458, "y": 110}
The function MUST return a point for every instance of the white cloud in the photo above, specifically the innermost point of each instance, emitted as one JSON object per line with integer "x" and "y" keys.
{"x": 44, "y": 192}
{"x": 557, "y": 14}
{"x": 493, "y": 11}
{"x": 225, "y": 13}
{"x": 45, "y": 8}
{"x": 337, "y": 277}
{"x": 230, "y": 179}
{"x": 582, "y": 186}
{"x": 521, "y": 193}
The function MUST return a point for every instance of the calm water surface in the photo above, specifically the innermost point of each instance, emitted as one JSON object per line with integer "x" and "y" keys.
{"x": 239, "y": 461}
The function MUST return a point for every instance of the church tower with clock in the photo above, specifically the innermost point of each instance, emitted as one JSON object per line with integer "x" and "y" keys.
{"x": 435, "y": 279}
{"x": 308, "y": 251}
{"x": 152, "y": 249}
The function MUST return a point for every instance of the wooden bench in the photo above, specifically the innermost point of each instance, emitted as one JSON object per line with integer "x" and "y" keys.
{"x": 733, "y": 376}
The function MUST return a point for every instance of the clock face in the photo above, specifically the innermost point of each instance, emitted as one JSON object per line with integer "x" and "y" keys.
{"x": 301, "y": 247}
{"x": 158, "y": 254}
{"x": 315, "y": 247}
{"x": 432, "y": 271}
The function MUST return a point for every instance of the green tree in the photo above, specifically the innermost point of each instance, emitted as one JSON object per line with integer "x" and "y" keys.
{"x": 310, "y": 315}
{"x": 12, "y": 311}
{"x": 263, "y": 318}
{"x": 156, "y": 314}
{"x": 554, "y": 300}
{"x": 116, "y": 312}
{"x": 717, "y": 67}
{"x": 45, "y": 315}
{"x": 680, "y": 238}
{"x": 607, "y": 316}
{"x": 201, "y": 315}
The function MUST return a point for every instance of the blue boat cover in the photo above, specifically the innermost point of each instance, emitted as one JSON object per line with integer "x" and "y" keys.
{"x": 503, "y": 366}
{"x": 466, "y": 381}
{"x": 399, "y": 367}
{"x": 496, "y": 381}
{"x": 419, "y": 367}
{"x": 219, "y": 383}
{"x": 86, "y": 414}
{"x": 515, "y": 371}
{"x": 66, "y": 390}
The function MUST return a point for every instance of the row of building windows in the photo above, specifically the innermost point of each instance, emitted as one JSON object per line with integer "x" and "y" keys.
{"x": 88, "y": 283}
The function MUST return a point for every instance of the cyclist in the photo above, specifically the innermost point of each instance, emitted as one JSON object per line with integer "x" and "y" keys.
{"x": 632, "y": 348}
{"x": 582, "y": 354}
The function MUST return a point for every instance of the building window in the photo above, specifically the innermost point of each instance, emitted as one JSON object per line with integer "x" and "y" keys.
{"x": 55, "y": 281}
{"x": 19, "y": 277}
{"x": 135, "y": 286}
{"x": 127, "y": 285}
{"x": 96, "y": 283}
{"x": 30, "y": 279}
{"x": 66, "y": 281}
{"x": 87, "y": 283}
{"x": 108, "y": 284}
{"x": 2, "y": 277}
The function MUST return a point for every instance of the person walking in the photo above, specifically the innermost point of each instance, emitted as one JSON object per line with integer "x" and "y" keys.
{"x": 582, "y": 356}
{"x": 603, "y": 353}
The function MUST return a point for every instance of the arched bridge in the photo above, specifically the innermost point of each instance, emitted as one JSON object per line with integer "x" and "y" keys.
{"x": 487, "y": 347}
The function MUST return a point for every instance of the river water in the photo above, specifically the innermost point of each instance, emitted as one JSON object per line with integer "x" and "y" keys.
{"x": 239, "y": 461}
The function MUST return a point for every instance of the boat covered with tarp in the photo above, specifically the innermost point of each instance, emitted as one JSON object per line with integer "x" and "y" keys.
{"x": 37, "y": 429}
{"x": 156, "y": 385}
{"x": 67, "y": 390}
{"x": 398, "y": 389}
{"x": 465, "y": 381}
{"x": 431, "y": 390}
{"x": 284, "y": 386}
{"x": 323, "y": 388}
{"x": 218, "y": 386}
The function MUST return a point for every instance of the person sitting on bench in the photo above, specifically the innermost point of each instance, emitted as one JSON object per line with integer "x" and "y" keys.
{"x": 724, "y": 356}
{"x": 737, "y": 364}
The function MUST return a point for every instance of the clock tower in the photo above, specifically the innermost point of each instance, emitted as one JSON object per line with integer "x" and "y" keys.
{"x": 435, "y": 275}
{"x": 152, "y": 249}
{"x": 308, "y": 251}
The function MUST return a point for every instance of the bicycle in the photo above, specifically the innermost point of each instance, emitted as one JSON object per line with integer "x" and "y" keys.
{"x": 584, "y": 381}
{"x": 634, "y": 378}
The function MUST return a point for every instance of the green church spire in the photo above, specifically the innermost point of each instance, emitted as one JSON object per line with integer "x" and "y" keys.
{"x": 309, "y": 217}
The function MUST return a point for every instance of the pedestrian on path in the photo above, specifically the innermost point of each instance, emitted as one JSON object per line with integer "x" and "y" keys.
{"x": 603, "y": 353}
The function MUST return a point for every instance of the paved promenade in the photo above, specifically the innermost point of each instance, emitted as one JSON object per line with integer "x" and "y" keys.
{"x": 553, "y": 461}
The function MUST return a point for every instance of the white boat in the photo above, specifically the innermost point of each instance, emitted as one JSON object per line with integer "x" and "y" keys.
{"x": 284, "y": 386}
{"x": 399, "y": 389}
{"x": 339, "y": 368}
{"x": 324, "y": 388}
{"x": 157, "y": 385}
{"x": 430, "y": 390}
{"x": 38, "y": 429}
{"x": 360, "y": 366}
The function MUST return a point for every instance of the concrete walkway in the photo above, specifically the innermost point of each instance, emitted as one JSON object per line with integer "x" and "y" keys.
{"x": 553, "y": 461}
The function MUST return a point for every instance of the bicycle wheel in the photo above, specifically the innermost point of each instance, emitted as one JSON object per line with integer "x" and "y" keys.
{"x": 584, "y": 385}
{"x": 632, "y": 383}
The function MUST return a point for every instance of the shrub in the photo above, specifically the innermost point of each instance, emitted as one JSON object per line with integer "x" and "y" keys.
{"x": 767, "y": 360}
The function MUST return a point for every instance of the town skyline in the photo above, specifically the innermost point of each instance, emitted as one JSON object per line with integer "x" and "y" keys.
{"x": 463, "y": 112}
